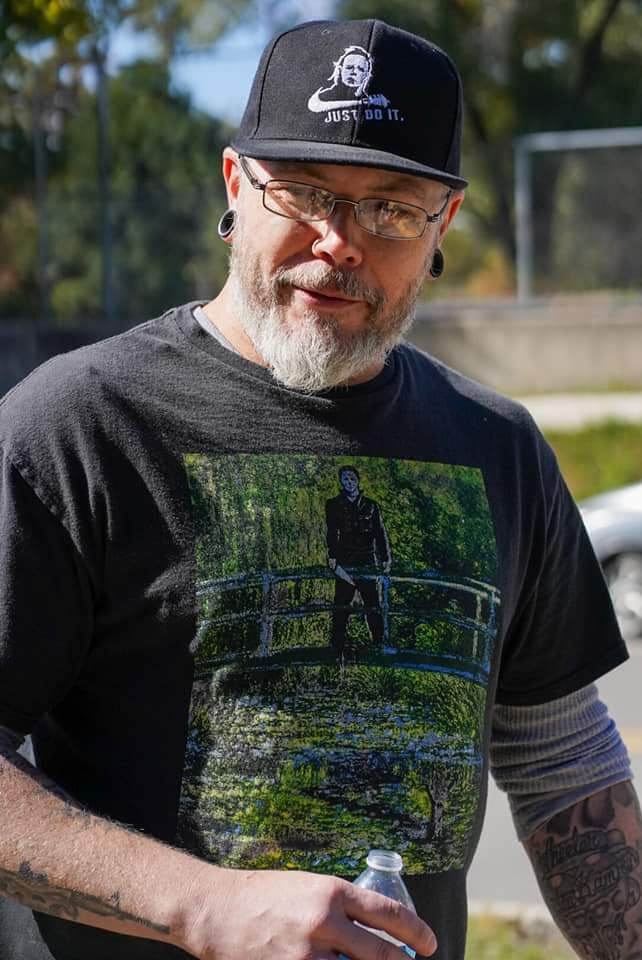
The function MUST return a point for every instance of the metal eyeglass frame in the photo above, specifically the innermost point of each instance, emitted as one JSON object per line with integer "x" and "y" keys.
{"x": 430, "y": 217}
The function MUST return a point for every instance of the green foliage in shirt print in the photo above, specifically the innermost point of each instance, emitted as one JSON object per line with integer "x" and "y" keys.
{"x": 314, "y": 738}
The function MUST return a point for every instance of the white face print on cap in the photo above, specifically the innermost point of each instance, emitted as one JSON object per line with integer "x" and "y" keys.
{"x": 355, "y": 70}
{"x": 348, "y": 92}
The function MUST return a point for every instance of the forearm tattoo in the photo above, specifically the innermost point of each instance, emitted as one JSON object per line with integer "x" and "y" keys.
{"x": 587, "y": 860}
{"x": 35, "y": 890}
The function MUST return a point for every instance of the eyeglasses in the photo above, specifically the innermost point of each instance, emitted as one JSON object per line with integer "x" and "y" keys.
{"x": 384, "y": 218}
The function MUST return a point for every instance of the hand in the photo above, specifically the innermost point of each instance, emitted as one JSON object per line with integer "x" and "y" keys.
{"x": 294, "y": 915}
{"x": 386, "y": 567}
{"x": 332, "y": 563}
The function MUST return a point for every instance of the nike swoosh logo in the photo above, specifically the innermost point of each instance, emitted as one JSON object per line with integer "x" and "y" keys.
{"x": 316, "y": 105}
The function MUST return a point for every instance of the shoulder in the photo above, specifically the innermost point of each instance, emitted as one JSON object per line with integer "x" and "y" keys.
{"x": 462, "y": 404}
{"x": 88, "y": 410}
{"x": 477, "y": 425}
{"x": 459, "y": 392}
{"x": 70, "y": 389}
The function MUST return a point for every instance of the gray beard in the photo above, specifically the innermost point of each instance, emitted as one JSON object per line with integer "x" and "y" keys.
{"x": 315, "y": 354}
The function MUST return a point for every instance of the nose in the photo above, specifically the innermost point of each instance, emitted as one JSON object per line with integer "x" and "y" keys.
{"x": 339, "y": 237}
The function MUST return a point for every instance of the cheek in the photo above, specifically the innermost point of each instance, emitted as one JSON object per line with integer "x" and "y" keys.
{"x": 273, "y": 241}
{"x": 394, "y": 275}
{"x": 289, "y": 243}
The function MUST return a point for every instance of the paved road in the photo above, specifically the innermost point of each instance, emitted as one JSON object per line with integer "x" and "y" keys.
{"x": 501, "y": 871}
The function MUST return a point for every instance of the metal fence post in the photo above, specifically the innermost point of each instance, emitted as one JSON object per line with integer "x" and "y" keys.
{"x": 523, "y": 220}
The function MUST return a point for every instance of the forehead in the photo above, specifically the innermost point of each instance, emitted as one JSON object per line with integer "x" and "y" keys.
{"x": 354, "y": 58}
{"x": 365, "y": 181}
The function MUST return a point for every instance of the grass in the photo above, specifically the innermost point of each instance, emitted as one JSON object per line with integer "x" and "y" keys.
{"x": 612, "y": 386}
{"x": 495, "y": 938}
{"x": 599, "y": 457}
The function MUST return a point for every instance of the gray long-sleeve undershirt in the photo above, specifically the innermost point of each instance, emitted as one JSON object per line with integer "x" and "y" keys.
{"x": 550, "y": 756}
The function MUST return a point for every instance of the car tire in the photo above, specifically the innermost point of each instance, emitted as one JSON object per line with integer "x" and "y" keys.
{"x": 623, "y": 574}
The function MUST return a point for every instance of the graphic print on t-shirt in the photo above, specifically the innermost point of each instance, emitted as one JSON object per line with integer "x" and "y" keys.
{"x": 347, "y": 614}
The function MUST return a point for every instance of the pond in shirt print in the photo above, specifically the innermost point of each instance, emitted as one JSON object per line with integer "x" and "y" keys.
{"x": 347, "y": 614}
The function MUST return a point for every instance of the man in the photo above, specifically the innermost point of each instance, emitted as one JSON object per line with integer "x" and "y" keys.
{"x": 110, "y": 514}
{"x": 357, "y": 545}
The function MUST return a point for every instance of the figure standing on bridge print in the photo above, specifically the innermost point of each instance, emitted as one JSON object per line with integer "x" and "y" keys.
{"x": 358, "y": 553}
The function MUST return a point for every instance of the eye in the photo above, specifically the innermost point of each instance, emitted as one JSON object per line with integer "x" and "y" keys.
{"x": 298, "y": 200}
{"x": 387, "y": 210}
{"x": 392, "y": 218}
{"x": 390, "y": 212}
{"x": 317, "y": 200}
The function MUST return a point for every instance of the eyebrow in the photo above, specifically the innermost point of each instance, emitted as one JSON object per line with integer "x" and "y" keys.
{"x": 392, "y": 184}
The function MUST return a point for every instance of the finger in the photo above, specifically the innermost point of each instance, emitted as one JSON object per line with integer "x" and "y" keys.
{"x": 361, "y": 944}
{"x": 375, "y": 910}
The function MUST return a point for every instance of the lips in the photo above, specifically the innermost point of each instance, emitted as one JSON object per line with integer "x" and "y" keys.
{"x": 329, "y": 296}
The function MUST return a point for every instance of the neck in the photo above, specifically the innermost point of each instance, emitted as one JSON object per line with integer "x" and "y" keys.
{"x": 220, "y": 312}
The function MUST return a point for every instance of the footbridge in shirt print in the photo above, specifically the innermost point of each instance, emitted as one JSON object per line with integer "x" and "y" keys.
{"x": 246, "y": 617}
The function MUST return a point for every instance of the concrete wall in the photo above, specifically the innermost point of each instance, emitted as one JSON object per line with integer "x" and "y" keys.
{"x": 565, "y": 344}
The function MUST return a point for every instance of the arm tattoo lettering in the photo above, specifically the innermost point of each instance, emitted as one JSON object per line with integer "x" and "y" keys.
{"x": 587, "y": 861}
{"x": 35, "y": 891}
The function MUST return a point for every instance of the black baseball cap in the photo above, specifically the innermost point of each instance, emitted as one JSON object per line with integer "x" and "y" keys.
{"x": 356, "y": 92}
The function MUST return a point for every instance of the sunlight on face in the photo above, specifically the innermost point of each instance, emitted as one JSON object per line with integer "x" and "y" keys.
{"x": 306, "y": 349}
{"x": 278, "y": 264}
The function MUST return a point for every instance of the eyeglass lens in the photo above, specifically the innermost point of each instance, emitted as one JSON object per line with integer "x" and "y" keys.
{"x": 381, "y": 217}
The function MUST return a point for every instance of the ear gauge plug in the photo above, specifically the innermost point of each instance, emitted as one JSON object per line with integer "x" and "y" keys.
{"x": 226, "y": 224}
{"x": 437, "y": 267}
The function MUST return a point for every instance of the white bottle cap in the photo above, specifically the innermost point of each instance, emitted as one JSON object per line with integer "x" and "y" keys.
{"x": 384, "y": 860}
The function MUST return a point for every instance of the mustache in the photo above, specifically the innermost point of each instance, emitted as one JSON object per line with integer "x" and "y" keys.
{"x": 323, "y": 278}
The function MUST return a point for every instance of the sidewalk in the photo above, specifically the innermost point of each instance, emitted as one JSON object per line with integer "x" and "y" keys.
{"x": 571, "y": 411}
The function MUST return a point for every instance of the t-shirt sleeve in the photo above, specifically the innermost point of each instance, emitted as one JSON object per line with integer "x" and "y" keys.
{"x": 45, "y": 604}
{"x": 564, "y": 633}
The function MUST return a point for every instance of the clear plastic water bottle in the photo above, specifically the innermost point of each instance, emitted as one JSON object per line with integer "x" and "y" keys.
{"x": 383, "y": 874}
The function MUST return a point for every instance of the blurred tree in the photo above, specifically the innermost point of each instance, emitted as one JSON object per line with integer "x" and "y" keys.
{"x": 37, "y": 37}
{"x": 167, "y": 195}
{"x": 30, "y": 21}
{"x": 527, "y": 65}
{"x": 45, "y": 49}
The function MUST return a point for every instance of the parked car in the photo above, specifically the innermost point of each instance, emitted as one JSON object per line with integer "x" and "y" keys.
{"x": 614, "y": 524}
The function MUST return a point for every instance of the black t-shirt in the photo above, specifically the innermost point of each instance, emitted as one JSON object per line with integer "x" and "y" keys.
{"x": 166, "y": 607}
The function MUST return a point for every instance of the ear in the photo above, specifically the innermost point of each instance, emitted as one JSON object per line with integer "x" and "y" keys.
{"x": 450, "y": 212}
{"x": 231, "y": 175}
